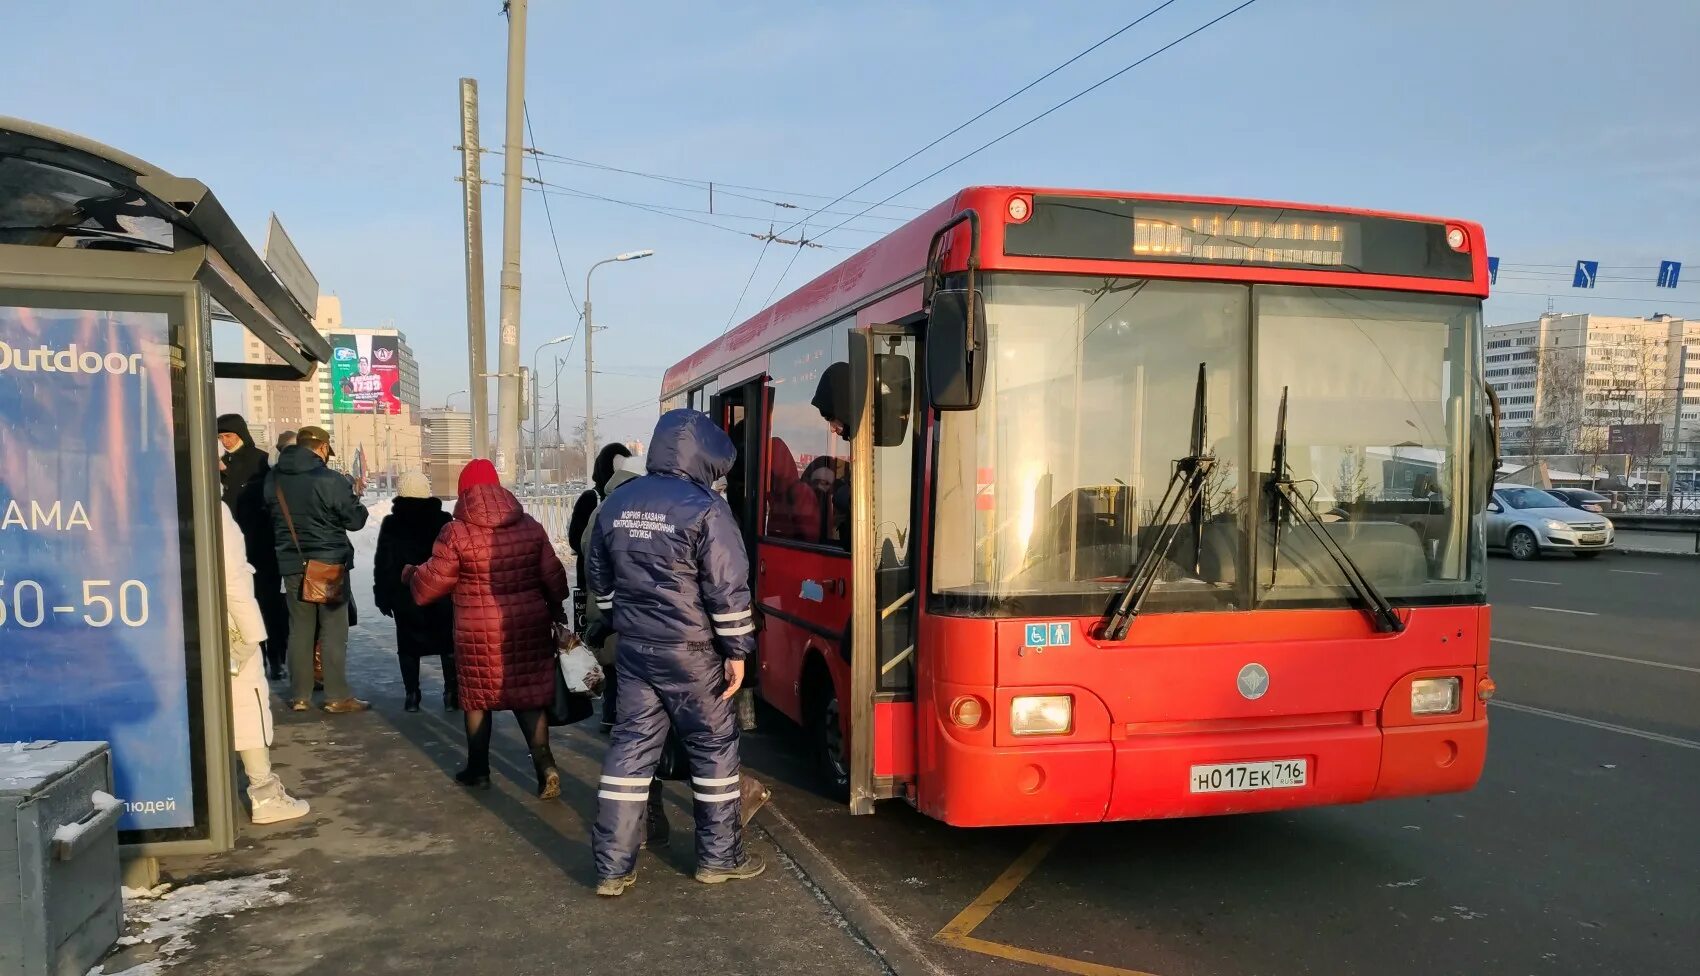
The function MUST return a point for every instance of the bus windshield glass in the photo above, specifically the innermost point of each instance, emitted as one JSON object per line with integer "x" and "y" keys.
{"x": 1046, "y": 494}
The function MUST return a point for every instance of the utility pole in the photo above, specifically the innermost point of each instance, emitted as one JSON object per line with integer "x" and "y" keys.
{"x": 1681, "y": 359}
{"x": 589, "y": 379}
{"x": 507, "y": 367}
{"x": 472, "y": 202}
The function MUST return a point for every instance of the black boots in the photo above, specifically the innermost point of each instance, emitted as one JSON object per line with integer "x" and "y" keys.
{"x": 411, "y": 702}
{"x": 473, "y": 778}
{"x": 548, "y": 777}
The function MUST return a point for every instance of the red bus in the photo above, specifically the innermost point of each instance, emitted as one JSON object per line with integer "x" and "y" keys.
{"x": 1072, "y": 506}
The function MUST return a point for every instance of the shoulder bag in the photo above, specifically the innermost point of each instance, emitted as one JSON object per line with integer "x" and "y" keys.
{"x": 321, "y": 582}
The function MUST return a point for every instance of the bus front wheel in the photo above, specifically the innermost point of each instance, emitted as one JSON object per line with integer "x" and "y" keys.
{"x": 826, "y": 735}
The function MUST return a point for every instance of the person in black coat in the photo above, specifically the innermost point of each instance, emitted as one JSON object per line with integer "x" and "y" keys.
{"x": 242, "y": 471}
{"x": 582, "y": 510}
{"x": 405, "y": 539}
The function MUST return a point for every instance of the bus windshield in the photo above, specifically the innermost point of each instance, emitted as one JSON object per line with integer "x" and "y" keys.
{"x": 1047, "y": 493}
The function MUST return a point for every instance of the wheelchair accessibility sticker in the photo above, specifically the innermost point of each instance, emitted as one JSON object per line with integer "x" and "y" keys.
{"x": 1050, "y": 635}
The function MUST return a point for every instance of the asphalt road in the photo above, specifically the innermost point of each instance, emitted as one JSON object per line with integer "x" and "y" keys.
{"x": 1578, "y": 853}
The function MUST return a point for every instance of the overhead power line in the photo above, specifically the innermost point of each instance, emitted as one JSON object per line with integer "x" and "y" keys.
{"x": 993, "y": 108}
{"x": 1065, "y": 102}
{"x": 702, "y": 183}
{"x": 560, "y": 262}
{"x": 587, "y": 194}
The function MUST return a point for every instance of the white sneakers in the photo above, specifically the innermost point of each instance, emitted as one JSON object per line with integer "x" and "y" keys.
{"x": 272, "y": 804}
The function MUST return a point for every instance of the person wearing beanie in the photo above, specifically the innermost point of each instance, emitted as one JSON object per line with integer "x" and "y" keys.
{"x": 508, "y": 587}
{"x": 405, "y": 539}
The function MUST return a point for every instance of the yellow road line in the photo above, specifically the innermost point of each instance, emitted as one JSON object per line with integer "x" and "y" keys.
{"x": 959, "y": 931}
{"x": 970, "y": 918}
{"x": 1061, "y": 964}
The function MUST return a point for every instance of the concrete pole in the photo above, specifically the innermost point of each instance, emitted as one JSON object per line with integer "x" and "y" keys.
{"x": 507, "y": 368}
{"x": 536, "y": 425}
{"x": 1678, "y": 355}
{"x": 589, "y": 380}
{"x": 472, "y": 202}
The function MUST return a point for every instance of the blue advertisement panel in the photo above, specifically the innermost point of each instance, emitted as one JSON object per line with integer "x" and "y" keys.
{"x": 92, "y": 635}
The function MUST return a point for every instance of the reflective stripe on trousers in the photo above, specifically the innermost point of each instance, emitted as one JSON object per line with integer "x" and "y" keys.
{"x": 662, "y": 686}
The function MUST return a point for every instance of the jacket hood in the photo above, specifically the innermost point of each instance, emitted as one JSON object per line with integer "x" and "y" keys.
{"x": 488, "y": 506}
{"x": 603, "y": 469}
{"x": 687, "y": 444}
{"x": 415, "y": 509}
{"x": 832, "y": 393}
{"x": 232, "y": 423}
{"x": 618, "y": 478}
{"x": 296, "y": 459}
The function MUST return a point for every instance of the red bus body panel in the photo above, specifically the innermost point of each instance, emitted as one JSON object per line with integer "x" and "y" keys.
{"x": 1148, "y": 709}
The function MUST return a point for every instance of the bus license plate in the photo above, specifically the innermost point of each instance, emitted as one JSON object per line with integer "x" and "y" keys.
{"x": 1280, "y": 774}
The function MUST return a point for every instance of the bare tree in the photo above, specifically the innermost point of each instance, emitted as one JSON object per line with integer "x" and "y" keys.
{"x": 1639, "y": 397}
{"x": 1561, "y": 375}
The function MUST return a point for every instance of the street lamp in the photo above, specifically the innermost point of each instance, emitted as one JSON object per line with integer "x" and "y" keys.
{"x": 589, "y": 367}
{"x": 536, "y": 423}
{"x": 448, "y": 402}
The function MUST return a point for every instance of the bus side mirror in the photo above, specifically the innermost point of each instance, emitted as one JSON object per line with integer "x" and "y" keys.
{"x": 956, "y": 349}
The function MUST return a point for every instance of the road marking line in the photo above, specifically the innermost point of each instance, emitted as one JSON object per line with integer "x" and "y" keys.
{"x": 1045, "y": 960}
{"x": 1669, "y": 740}
{"x": 1605, "y": 657}
{"x": 970, "y": 918}
{"x": 1518, "y": 579}
{"x": 1579, "y": 613}
{"x": 1635, "y": 572}
{"x": 958, "y": 932}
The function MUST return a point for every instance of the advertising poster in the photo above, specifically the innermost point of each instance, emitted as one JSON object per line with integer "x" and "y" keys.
{"x": 364, "y": 373}
{"x": 92, "y": 640}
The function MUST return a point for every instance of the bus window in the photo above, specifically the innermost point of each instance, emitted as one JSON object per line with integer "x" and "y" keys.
{"x": 808, "y": 483}
{"x": 1049, "y": 491}
{"x": 1379, "y": 404}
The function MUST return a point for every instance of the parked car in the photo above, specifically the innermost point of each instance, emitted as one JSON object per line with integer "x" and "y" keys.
{"x": 1582, "y": 498}
{"x": 1527, "y": 522}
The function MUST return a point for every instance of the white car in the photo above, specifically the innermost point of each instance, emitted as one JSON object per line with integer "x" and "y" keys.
{"x": 1527, "y": 522}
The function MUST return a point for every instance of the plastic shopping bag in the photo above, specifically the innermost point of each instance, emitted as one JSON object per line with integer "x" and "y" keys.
{"x": 579, "y": 668}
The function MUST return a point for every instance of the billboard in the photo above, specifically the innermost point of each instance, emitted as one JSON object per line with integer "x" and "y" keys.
{"x": 1636, "y": 440}
{"x": 93, "y": 593}
{"x": 365, "y": 371}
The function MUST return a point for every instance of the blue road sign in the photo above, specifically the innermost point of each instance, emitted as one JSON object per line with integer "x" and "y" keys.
{"x": 1038, "y": 635}
{"x": 1587, "y": 272}
{"x": 1493, "y": 270}
{"x": 1669, "y": 271}
{"x": 1062, "y": 635}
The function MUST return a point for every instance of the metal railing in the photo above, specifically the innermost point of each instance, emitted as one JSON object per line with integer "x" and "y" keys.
{"x": 1679, "y": 524}
{"x": 1651, "y": 501}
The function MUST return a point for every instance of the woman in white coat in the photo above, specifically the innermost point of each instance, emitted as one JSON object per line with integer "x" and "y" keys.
{"x": 250, "y": 702}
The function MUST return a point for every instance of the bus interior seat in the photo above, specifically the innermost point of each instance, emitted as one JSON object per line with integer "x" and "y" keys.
{"x": 1389, "y": 553}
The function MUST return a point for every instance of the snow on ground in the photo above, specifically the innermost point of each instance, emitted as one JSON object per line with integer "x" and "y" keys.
{"x": 168, "y": 922}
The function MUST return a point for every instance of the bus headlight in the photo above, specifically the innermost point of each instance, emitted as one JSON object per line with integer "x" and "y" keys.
{"x": 1435, "y": 696}
{"x": 1041, "y": 715}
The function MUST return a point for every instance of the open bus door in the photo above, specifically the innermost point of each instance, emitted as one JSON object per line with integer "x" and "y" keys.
{"x": 733, "y": 410}
{"x": 884, "y": 550}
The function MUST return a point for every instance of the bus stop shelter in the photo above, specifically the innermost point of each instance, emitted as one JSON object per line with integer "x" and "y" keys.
{"x": 112, "y": 614}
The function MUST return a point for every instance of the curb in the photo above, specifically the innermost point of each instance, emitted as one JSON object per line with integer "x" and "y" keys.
{"x": 1667, "y": 553}
{"x": 896, "y": 947}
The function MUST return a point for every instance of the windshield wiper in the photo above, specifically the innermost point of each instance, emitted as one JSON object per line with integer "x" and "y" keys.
{"x": 1185, "y": 493}
{"x": 1283, "y": 494}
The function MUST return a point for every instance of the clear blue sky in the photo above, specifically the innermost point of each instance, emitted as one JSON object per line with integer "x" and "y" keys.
{"x": 1567, "y": 128}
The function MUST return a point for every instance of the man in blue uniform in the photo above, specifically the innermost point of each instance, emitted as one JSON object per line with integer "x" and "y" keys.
{"x": 666, "y": 559}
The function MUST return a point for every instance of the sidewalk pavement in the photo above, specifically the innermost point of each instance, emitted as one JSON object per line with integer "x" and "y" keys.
{"x": 398, "y": 869}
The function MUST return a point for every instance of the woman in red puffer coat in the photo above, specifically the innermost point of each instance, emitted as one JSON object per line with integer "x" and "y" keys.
{"x": 509, "y": 588}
